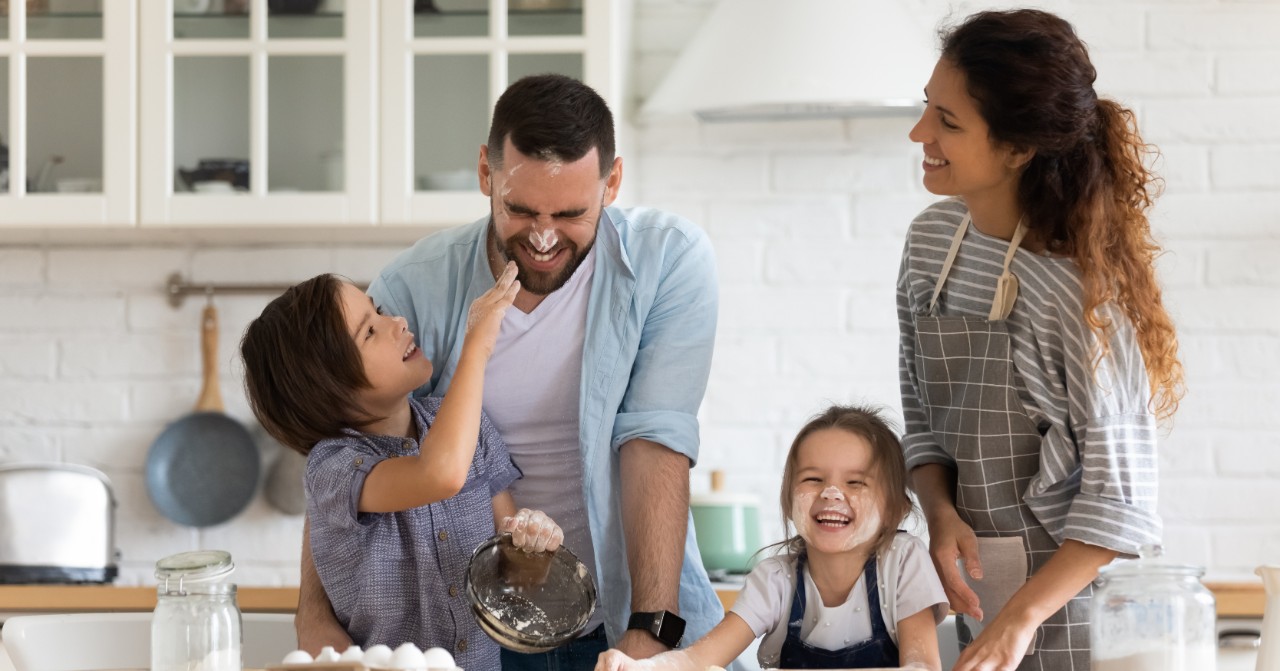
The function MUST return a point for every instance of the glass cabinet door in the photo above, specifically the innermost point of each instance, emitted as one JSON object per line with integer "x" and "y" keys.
{"x": 444, "y": 64}
{"x": 67, "y": 135}
{"x": 259, "y": 112}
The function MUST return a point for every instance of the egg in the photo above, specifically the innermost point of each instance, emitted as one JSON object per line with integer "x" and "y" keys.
{"x": 408, "y": 656}
{"x": 327, "y": 655}
{"x": 438, "y": 658}
{"x": 378, "y": 657}
{"x": 351, "y": 654}
{"x": 297, "y": 657}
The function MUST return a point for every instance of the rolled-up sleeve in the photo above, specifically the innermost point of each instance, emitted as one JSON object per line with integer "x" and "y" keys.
{"x": 1111, "y": 446}
{"x": 919, "y": 445}
{"x": 671, "y": 367}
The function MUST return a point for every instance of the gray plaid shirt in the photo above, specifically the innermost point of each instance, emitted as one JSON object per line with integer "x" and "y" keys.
{"x": 399, "y": 577}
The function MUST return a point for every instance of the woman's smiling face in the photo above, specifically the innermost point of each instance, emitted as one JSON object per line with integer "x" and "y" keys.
{"x": 837, "y": 502}
{"x": 960, "y": 158}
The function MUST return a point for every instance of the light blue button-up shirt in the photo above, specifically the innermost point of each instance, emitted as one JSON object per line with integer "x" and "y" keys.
{"x": 650, "y": 326}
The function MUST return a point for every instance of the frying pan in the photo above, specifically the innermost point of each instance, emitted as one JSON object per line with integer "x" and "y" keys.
{"x": 203, "y": 468}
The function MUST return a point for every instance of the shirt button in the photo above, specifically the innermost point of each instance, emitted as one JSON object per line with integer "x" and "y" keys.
{"x": 443, "y": 535}
{"x": 857, "y": 609}
{"x": 453, "y": 591}
{"x": 408, "y": 444}
{"x": 359, "y": 461}
{"x": 462, "y": 645}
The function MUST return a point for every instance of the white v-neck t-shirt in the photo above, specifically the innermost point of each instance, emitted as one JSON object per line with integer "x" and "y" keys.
{"x": 531, "y": 393}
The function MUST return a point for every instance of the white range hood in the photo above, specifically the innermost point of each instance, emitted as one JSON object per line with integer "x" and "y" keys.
{"x": 790, "y": 59}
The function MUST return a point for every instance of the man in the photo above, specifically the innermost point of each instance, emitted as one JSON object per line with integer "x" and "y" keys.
{"x": 597, "y": 374}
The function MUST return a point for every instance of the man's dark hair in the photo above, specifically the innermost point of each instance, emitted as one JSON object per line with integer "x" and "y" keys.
{"x": 552, "y": 117}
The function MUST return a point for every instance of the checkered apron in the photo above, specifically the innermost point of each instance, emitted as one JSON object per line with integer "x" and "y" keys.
{"x": 968, "y": 388}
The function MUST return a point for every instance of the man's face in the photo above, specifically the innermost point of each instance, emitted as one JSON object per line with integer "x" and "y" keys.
{"x": 544, "y": 212}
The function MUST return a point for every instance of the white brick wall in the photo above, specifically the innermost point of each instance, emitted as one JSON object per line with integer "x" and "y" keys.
{"x": 807, "y": 219}
{"x": 808, "y": 262}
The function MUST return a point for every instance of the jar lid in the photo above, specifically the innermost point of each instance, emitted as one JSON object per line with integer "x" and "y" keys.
{"x": 196, "y": 566}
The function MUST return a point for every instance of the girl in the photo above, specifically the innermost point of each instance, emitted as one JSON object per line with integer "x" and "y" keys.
{"x": 400, "y": 491}
{"x": 848, "y": 590}
{"x": 1036, "y": 355}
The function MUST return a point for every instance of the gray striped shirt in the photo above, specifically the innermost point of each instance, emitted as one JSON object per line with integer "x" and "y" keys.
{"x": 1097, "y": 478}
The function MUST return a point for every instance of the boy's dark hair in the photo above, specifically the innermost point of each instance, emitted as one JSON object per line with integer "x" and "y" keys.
{"x": 886, "y": 458}
{"x": 301, "y": 366}
{"x": 552, "y": 117}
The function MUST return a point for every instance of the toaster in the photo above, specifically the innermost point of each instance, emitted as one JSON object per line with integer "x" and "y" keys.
{"x": 57, "y": 524}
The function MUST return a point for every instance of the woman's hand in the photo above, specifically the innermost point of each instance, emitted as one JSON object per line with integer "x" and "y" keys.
{"x": 1001, "y": 646}
{"x": 533, "y": 531}
{"x": 484, "y": 320}
{"x": 951, "y": 539}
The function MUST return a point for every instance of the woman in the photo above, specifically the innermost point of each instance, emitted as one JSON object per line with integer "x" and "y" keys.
{"x": 1037, "y": 355}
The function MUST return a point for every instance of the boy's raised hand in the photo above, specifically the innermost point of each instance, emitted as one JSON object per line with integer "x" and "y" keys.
{"x": 484, "y": 320}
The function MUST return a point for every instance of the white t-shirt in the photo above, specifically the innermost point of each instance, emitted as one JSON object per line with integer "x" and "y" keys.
{"x": 909, "y": 584}
{"x": 532, "y": 386}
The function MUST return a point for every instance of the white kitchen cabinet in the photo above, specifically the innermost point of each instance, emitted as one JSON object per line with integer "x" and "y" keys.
{"x": 360, "y": 113}
{"x": 66, "y": 118}
{"x": 283, "y": 104}
{"x": 442, "y": 71}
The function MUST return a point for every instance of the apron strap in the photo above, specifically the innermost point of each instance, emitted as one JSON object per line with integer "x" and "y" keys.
{"x": 951, "y": 257}
{"x": 1007, "y": 285}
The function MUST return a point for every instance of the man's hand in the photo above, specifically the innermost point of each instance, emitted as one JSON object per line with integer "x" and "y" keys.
{"x": 639, "y": 644}
{"x": 315, "y": 622}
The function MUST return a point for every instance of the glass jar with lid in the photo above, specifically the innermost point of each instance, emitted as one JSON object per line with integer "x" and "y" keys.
{"x": 1149, "y": 614}
{"x": 196, "y": 623}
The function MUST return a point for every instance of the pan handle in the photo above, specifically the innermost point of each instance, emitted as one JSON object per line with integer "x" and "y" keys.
{"x": 210, "y": 394}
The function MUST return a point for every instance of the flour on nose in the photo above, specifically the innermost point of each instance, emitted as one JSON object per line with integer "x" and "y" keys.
{"x": 544, "y": 240}
{"x": 833, "y": 493}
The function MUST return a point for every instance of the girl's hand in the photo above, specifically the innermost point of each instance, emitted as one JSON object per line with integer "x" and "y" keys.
{"x": 1001, "y": 646}
{"x": 615, "y": 660}
{"x": 533, "y": 531}
{"x": 951, "y": 539}
{"x": 484, "y": 320}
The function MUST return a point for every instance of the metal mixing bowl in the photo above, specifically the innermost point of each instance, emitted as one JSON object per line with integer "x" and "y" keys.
{"x": 529, "y": 602}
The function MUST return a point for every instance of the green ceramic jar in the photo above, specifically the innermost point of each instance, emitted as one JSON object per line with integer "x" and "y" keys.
{"x": 727, "y": 526}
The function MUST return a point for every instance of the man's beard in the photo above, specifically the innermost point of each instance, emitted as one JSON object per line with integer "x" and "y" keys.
{"x": 534, "y": 281}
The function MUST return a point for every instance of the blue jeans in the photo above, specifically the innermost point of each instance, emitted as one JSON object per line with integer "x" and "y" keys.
{"x": 577, "y": 655}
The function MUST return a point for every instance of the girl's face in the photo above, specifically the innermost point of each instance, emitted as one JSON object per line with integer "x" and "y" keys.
{"x": 960, "y": 158}
{"x": 392, "y": 362}
{"x": 836, "y": 499}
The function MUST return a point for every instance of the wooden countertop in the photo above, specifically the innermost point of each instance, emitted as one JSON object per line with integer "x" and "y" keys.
{"x": 90, "y": 598}
{"x": 1234, "y": 599}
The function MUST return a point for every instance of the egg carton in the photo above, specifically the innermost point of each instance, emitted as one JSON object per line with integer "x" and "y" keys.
{"x": 406, "y": 657}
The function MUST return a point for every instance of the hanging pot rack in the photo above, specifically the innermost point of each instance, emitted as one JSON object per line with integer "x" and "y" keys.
{"x": 177, "y": 289}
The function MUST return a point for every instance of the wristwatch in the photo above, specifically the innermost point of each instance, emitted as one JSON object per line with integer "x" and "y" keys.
{"x": 665, "y": 625}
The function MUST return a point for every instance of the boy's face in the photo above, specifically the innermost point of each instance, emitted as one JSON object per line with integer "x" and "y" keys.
{"x": 545, "y": 211}
{"x": 836, "y": 499}
{"x": 393, "y": 364}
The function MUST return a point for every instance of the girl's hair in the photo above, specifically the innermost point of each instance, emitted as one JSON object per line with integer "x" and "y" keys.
{"x": 1086, "y": 190}
{"x": 886, "y": 462}
{"x": 301, "y": 366}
